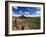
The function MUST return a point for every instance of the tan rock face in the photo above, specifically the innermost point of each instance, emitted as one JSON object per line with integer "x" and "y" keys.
{"x": 19, "y": 23}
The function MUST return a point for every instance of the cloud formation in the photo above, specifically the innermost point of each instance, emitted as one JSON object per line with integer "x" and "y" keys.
{"x": 26, "y": 10}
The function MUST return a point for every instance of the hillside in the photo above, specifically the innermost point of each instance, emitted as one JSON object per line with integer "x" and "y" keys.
{"x": 26, "y": 22}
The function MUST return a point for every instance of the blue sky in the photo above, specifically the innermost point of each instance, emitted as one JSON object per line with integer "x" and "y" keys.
{"x": 26, "y": 10}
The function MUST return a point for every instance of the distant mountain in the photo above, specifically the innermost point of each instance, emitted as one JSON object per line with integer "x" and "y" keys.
{"x": 22, "y": 16}
{"x": 17, "y": 15}
{"x": 28, "y": 17}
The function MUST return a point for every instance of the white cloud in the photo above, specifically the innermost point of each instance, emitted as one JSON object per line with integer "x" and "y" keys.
{"x": 20, "y": 12}
{"x": 15, "y": 7}
{"x": 32, "y": 15}
{"x": 38, "y": 12}
{"x": 16, "y": 15}
{"x": 38, "y": 8}
{"x": 12, "y": 13}
{"x": 27, "y": 13}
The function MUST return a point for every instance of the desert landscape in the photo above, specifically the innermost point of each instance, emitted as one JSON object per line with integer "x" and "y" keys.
{"x": 25, "y": 23}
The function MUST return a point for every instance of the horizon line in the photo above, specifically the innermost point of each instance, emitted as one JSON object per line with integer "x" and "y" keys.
{"x": 27, "y": 15}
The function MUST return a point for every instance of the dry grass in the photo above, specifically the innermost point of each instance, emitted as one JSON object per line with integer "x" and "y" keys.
{"x": 25, "y": 23}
